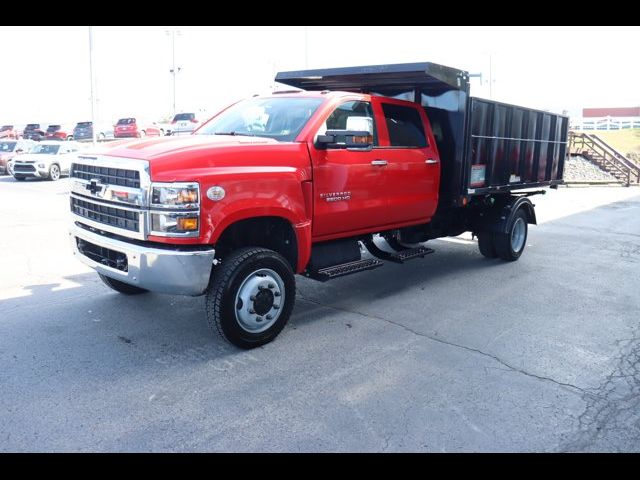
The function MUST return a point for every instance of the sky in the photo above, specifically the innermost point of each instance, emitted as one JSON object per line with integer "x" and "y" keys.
{"x": 45, "y": 75}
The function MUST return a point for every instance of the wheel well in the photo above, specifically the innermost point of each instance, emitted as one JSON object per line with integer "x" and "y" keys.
{"x": 274, "y": 233}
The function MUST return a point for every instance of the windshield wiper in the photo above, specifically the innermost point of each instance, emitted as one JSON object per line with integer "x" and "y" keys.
{"x": 235, "y": 134}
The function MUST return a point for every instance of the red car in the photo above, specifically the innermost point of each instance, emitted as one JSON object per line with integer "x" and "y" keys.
{"x": 130, "y": 127}
{"x": 8, "y": 132}
{"x": 59, "y": 132}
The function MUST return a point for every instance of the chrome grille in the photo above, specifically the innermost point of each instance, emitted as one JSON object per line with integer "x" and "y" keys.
{"x": 107, "y": 215}
{"x": 107, "y": 175}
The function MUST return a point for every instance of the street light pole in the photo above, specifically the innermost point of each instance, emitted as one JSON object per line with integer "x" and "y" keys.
{"x": 93, "y": 81}
{"x": 174, "y": 71}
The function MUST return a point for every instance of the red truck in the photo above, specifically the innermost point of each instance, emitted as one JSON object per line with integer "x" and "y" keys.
{"x": 376, "y": 159}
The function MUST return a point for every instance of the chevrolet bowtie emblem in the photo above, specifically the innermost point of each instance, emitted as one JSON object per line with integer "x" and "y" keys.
{"x": 94, "y": 186}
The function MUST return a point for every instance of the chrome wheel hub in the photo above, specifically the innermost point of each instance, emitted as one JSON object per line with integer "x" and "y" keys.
{"x": 259, "y": 300}
{"x": 518, "y": 235}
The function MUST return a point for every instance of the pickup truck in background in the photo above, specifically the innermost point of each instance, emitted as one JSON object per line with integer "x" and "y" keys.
{"x": 376, "y": 159}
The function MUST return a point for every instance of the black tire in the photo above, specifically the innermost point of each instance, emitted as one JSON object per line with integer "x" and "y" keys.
{"x": 121, "y": 287}
{"x": 224, "y": 290}
{"x": 19, "y": 178}
{"x": 503, "y": 241}
{"x": 54, "y": 172}
{"x": 486, "y": 244}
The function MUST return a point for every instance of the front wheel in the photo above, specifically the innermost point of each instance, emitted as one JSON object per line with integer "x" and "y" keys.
{"x": 54, "y": 172}
{"x": 251, "y": 296}
{"x": 121, "y": 287}
{"x": 510, "y": 245}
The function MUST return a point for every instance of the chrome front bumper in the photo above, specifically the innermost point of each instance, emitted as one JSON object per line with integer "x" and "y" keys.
{"x": 154, "y": 269}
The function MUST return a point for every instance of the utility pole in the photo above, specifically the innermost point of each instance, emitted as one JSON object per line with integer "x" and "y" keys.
{"x": 306, "y": 47}
{"x": 490, "y": 77}
{"x": 174, "y": 70}
{"x": 93, "y": 98}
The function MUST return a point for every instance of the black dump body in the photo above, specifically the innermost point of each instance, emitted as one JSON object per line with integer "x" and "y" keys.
{"x": 485, "y": 146}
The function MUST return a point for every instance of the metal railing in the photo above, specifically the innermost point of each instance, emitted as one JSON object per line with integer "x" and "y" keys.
{"x": 596, "y": 150}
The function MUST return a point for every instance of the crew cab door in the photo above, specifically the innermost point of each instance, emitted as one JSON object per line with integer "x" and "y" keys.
{"x": 411, "y": 161}
{"x": 348, "y": 185}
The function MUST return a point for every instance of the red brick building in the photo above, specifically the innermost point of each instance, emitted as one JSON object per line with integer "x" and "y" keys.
{"x": 611, "y": 112}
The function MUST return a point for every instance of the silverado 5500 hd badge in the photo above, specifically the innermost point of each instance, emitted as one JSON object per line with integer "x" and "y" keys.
{"x": 336, "y": 196}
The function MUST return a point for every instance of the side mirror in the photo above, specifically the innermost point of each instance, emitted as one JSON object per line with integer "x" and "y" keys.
{"x": 19, "y": 151}
{"x": 356, "y": 139}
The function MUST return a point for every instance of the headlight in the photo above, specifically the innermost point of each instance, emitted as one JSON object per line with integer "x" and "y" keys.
{"x": 175, "y": 209}
{"x": 175, "y": 195}
{"x": 41, "y": 165}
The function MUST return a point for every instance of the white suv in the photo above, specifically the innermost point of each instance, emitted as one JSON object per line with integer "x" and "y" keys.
{"x": 48, "y": 159}
{"x": 184, "y": 124}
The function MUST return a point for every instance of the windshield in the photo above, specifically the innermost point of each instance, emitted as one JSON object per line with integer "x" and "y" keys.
{"x": 6, "y": 127}
{"x": 32, "y": 126}
{"x": 279, "y": 118}
{"x": 126, "y": 121}
{"x": 7, "y": 146}
{"x": 184, "y": 116}
{"x": 83, "y": 124}
{"x": 53, "y": 128}
{"x": 46, "y": 149}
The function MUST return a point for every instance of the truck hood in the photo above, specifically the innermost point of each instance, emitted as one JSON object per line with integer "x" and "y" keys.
{"x": 161, "y": 147}
{"x": 189, "y": 158}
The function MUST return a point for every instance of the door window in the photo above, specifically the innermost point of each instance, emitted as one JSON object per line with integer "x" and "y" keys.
{"x": 405, "y": 126}
{"x": 354, "y": 115}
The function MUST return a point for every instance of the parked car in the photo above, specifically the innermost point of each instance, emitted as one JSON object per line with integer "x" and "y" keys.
{"x": 9, "y": 149}
{"x": 49, "y": 159}
{"x": 130, "y": 127}
{"x": 59, "y": 132}
{"x": 8, "y": 131}
{"x": 33, "y": 131}
{"x": 83, "y": 131}
{"x": 184, "y": 124}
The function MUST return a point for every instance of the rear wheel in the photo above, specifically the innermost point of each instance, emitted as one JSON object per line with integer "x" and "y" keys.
{"x": 510, "y": 245}
{"x": 486, "y": 244}
{"x": 121, "y": 287}
{"x": 101, "y": 137}
{"x": 142, "y": 134}
{"x": 251, "y": 296}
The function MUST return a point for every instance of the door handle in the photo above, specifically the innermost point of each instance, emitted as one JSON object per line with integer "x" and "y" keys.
{"x": 430, "y": 161}
{"x": 379, "y": 163}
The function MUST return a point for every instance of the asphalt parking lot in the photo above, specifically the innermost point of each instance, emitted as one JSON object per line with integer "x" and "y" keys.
{"x": 448, "y": 353}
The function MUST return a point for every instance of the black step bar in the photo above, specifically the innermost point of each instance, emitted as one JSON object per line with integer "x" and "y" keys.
{"x": 335, "y": 271}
